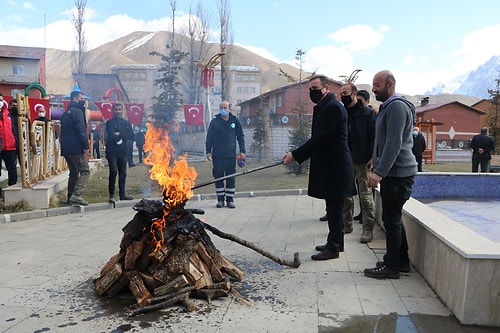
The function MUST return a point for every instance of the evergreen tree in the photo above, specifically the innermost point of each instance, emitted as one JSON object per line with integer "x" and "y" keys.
{"x": 169, "y": 102}
{"x": 301, "y": 131}
{"x": 493, "y": 116}
{"x": 299, "y": 134}
{"x": 259, "y": 132}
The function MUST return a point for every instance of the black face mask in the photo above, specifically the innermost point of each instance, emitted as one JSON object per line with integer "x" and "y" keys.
{"x": 14, "y": 110}
{"x": 315, "y": 95}
{"x": 81, "y": 104}
{"x": 346, "y": 100}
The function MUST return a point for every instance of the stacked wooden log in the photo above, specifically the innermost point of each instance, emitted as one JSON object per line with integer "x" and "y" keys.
{"x": 183, "y": 265}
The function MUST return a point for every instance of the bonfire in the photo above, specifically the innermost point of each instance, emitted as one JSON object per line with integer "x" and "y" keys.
{"x": 166, "y": 256}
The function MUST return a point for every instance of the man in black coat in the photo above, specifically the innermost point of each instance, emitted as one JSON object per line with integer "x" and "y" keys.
{"x": 118, "y": 133}
{"x": 75, "y": 147}
{"x": 419, "y": 146}
{"x": 96, "y": 137}
{"x": 331, "y": 175}
{"x": 482, "y": 145}
{"x": 139, "y": 142}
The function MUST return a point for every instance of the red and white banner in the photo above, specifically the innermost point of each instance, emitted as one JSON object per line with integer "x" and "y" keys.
{"x": 106, "y": 109}
{"x": 35, "y": 104}
{"x": 193, "y": 113}
{"x": 135, "y": 113}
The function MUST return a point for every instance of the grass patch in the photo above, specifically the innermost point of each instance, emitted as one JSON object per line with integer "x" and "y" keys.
{"x": 139, "y": 185}
{"x": 20, "y": 206}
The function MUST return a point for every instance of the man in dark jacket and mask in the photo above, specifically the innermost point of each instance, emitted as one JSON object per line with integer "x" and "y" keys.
{"x": 75, "y": 147}
{"x": 118, "y": 133}
{"x": 331, "y": 175}
{"x": 223, "y": 133}
{"x": 361, "y": 134}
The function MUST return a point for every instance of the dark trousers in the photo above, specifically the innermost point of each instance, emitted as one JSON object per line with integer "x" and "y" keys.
{"x": 79, "y": 173}
{"x": 335, "y": 211}
{"x": 117, "y": 165}
{"x": 9, "y": 157}
{"x": 97, "y": 153}
{"x": 395, "y": 191}
{"x": 419, "y": 162}
{"x": 223, "y": 167}
{"x": 484, "y": 163}
{"x": 130, "y": 152}
{"x": 140, "y": 150}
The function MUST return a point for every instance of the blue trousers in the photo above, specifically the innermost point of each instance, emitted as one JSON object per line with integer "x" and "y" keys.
{"x": 223, "y": 167}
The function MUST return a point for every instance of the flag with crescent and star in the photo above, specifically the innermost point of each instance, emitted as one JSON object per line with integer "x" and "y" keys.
{"x": 35, "y": 104}
{"x": 135, "y": 113}
{"x": 106, "y": 109}
{"x": 193, "y": 113}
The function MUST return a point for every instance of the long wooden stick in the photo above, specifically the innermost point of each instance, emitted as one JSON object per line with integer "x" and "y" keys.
{"x": 294, "y": 264}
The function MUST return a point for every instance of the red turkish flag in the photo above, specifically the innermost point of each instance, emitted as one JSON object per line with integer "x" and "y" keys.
{"x": 135, "y": 113}
{"x": 106, "y": 109}
{"x": 35, "y": 104}
{"x": 8, "y": 99}
{"x": 193, "y": 113}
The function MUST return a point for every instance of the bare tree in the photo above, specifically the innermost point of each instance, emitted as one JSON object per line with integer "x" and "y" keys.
{"x": 225, "y": 40}
{"x": 78, "y": 22}
{"x": 198, "y": 33}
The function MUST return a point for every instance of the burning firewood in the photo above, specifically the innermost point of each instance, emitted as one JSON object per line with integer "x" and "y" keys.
{"x": 186, "y": 265}
{"x": 166, "y": 255}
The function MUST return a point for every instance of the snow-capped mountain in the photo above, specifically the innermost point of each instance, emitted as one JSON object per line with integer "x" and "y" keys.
{"x": 475, "y": 83}
{"x": 448, "y": 87}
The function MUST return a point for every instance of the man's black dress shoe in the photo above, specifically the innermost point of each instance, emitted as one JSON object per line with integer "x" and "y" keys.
{"x": 326, "y": 255}
{"x": 323, "y": 247}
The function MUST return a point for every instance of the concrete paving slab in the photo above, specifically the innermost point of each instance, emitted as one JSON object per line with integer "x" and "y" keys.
{"x": 48, "y": 266}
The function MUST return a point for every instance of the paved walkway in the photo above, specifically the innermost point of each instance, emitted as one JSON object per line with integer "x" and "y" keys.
{"x": 48, "y": 265}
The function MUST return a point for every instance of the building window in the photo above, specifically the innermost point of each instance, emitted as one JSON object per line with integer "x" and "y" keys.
{"x": 14, "y": 92}
{"x": 18, "y": 70}
{"x": 252, "y": 90}
{"x": 280, "y": 100}
{"x": 272, "y": 102}
{"x": 239, "y": 90}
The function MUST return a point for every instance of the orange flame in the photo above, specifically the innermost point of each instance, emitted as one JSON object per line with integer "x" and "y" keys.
{"x": 174, "y": 176}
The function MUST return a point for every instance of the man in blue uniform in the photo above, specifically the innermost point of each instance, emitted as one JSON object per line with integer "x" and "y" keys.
{"x": 223, "y": 133}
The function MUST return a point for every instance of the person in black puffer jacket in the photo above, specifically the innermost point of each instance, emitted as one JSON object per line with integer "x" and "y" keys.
{"x": 75, "y": 147}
